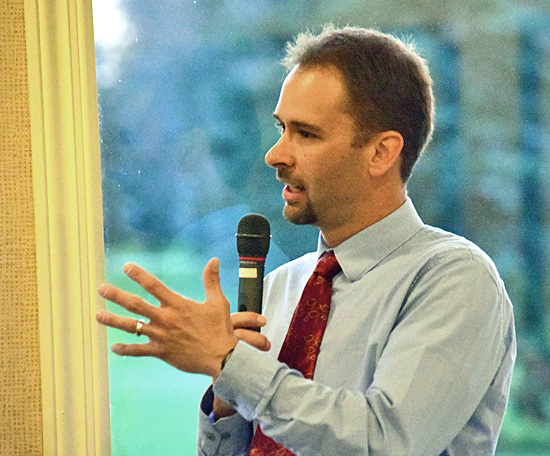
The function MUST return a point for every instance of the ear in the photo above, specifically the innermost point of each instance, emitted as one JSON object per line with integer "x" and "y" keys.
{"x": 386, "y": 152}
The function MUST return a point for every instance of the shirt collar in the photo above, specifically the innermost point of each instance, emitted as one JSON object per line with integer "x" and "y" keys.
{"x": 363, "y": 251}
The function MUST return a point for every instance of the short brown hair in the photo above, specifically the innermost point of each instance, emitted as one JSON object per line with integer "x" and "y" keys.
{"x": 388, "y": 83}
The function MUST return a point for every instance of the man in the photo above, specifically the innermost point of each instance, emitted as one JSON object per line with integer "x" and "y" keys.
{"x": 416, "y": 346}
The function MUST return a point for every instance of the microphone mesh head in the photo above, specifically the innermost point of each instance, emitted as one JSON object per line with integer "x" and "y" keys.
{"x": 253, "y": 235}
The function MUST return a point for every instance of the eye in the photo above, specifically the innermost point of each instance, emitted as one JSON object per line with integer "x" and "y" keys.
{"x": 280, "y": 126}
{"x": 306, "y": 134}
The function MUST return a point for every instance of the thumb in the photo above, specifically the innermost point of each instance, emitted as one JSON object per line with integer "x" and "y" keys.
{"x": 211, "y": 282}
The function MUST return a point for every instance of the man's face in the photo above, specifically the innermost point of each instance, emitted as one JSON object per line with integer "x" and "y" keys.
{"x": 323, "y": 173}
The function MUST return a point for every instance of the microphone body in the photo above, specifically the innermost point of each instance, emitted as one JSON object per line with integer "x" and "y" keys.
{"x": 251, "y": 279}
{"x": 253, "y": 236}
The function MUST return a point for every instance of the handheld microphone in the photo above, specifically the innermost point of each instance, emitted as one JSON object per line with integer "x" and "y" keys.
{"x": 253, "y": 236}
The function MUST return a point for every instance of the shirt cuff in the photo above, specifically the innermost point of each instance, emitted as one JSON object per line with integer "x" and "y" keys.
{"x": 228, "y": 435}
{"x": 245, "y": 379}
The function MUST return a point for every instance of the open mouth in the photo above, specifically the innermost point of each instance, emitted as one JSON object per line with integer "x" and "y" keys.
{"x": 293, "y": 193}
{"x": 294, "y": 188}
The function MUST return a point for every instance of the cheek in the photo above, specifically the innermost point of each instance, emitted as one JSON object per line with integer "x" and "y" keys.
{"x": 326, "y": 187}
{"x": 344, "y": 181}
{"x": 330, "y": 171}
{"x": 320, "y": 176}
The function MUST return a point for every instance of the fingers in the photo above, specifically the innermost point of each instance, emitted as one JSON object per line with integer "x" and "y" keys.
{"x": 149, "y": 283}
{"x": 129, "y": 301}
{"x": 115, "y": 321}
{"x": 244, "y": 324}
{"x": 133, "y": 349}
{"x": 129, "y": 325}
{"x": 253, "y": 338}
{"x": 248, "y": 320}
{"x": 211, "y": 282}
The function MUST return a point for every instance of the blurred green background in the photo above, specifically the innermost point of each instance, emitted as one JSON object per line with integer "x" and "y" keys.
{"x": 186, "y": 91}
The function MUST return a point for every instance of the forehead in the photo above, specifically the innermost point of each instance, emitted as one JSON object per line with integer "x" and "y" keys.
{"x": 316, "y": 93}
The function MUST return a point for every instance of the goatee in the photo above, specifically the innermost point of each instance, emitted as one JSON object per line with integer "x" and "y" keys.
{"x": 300, "y": 216}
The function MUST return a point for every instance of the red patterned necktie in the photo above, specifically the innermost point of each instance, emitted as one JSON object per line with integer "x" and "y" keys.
{"x": 303, "y": 339}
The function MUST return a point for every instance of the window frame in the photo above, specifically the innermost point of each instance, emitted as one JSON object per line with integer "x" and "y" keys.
{"x": 68, "y": 225}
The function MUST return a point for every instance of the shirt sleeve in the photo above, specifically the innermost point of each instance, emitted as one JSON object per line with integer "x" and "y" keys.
{"x": 446, "y": 346}
{"x": 226, "y": 436}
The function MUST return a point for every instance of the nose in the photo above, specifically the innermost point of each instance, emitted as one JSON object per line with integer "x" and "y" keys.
{"x": 280, "y": 155}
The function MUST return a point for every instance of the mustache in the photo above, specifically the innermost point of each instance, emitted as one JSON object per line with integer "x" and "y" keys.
{"x": 284, "y": 176}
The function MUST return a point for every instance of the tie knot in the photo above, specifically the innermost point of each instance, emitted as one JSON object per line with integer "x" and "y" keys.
{"x": 328, "y": 266}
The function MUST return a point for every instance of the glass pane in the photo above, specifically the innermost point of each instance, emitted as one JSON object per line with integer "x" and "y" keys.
{"x": 186, "y": 92}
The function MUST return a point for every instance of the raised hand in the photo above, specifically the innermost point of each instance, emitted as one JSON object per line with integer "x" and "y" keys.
{"x": 193, "y": 337}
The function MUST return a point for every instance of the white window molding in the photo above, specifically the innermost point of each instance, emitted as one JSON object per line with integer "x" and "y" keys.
{"x": 69, "y": 226}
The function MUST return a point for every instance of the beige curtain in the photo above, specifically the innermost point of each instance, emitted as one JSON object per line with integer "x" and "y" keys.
{"x": 20, "y": 390}
{"x": 53, "y": 369}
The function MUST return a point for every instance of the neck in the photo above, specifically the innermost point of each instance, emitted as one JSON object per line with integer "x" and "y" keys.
{"x": 372, "y": 212}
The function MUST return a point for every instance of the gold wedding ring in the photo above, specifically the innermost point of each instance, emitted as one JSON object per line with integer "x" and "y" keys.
{"x": 139, "y": 326}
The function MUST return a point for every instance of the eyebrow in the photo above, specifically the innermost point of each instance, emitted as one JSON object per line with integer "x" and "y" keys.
{"x": 298, "y": 124}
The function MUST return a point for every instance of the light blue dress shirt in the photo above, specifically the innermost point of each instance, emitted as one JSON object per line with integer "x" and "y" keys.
{"x": 416, "y": 358}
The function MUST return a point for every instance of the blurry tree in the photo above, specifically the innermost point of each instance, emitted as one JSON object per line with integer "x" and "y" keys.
{"x": 534, "y": 340}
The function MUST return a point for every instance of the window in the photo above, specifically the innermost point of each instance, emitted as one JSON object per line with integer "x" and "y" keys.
{"x": 186, "y": 91}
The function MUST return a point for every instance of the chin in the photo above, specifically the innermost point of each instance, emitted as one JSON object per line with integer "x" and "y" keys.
{"x": 300, "y": 215}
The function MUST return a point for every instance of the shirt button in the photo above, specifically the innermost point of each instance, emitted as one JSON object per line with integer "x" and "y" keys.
{"x": 226, "y": 435}
{"x": 210, "y": 436}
